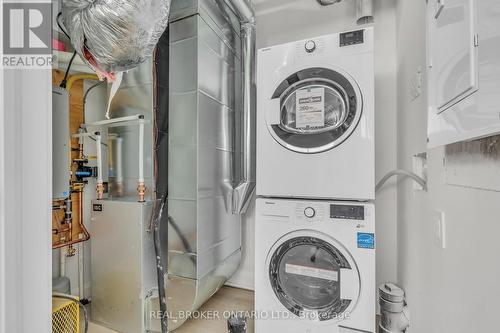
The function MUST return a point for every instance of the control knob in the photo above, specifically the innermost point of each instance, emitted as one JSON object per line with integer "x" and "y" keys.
{"x": 309, "y": 212}
{"x": 310, "y": 46}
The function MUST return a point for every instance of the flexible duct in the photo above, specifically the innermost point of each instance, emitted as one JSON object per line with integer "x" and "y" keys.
{"x": 115, "y": 35}
{"x": 244, "y": 190}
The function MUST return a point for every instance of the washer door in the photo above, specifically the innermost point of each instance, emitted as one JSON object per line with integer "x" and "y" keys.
{"x": 314, "y": 110}
{"x": 313, "y": 278}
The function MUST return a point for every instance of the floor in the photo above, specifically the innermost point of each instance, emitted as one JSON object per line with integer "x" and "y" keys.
{"x": 226, "y": 300}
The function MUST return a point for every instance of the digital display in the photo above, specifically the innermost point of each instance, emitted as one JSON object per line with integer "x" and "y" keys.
{"x": 347, "y": 212}
{"x": 352, "y": 38}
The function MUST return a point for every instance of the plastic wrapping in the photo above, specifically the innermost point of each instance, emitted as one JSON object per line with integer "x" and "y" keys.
{"x": 115, "y": 35}
{"x": 314, "y": 107}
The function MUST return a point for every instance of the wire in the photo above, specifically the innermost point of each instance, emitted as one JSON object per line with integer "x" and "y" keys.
{"x": 60, "y": 25}
{"x": 422, "y": 182}
{"x": 65, "y": 80}
{"x": 87, "y": 94}
{"x": 185, "y": 242}
{"x": 88, "y": 91}
{"x": 82, "y": 306}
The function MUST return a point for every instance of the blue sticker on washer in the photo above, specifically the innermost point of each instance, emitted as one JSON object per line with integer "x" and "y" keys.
{"x": 366, "y": 241}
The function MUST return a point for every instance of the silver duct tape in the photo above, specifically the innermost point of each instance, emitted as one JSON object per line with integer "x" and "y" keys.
{"x": 119, "y": 34}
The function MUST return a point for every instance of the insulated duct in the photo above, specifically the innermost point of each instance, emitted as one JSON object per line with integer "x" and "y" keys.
{"x": 244, "y": 190}
{"x": 115, "y": 35}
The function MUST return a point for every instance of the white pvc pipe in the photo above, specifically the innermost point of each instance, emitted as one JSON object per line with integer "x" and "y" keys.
{"x": 62, "y": 262}
{"x": 119, "y": 160}
{"x": 99, "y": 157}
{"x": 81, "y": 258}
{"x": 114, "y": 121}
{"x": 141, "y": 152}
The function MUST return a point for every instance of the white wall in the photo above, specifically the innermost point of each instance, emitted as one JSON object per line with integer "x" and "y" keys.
{"x": 25, "y": 194}
{"x": 281, "y": 21}
{"x": 455, "y": 290}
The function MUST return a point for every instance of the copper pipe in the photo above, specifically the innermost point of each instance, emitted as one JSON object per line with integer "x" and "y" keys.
{"x": 81, "y": 224}
{"x": 141, "y": 189}
{"x": 80, "y": 217}
{"x": 100, "y": 191}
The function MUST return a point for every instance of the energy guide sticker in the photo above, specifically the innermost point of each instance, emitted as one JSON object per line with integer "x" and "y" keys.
{"x": 318, "y": 273}
{"x": 310, "y": 108}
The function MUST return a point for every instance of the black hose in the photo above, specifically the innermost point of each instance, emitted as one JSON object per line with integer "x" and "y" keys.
{"x": 185, "y": 242}
{"x": 160, "y": 269}
{"x": 82, "y": 306}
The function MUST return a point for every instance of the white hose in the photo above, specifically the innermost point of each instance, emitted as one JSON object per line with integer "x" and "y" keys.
{"x": 422, "y": 182}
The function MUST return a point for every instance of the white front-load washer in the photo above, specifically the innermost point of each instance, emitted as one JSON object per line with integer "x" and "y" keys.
{"x": 315, "y": 118}
{"x": 314, "y": 266}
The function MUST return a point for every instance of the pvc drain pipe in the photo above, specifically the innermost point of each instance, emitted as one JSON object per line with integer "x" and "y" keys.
{"x": 395, "y": 313}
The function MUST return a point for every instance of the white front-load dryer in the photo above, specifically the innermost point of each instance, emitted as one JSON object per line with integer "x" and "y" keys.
{"x": 314, "y": 266}
{"x": 315, "y": 118}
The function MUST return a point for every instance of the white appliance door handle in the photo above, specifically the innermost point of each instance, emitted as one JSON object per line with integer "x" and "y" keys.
{"x": 273, "y": 113}
{"x": 349, "y": 284}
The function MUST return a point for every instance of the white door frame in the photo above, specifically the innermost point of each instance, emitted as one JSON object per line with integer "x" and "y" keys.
{"x": 2, "y": 196}
{"x": 25, "y": 199}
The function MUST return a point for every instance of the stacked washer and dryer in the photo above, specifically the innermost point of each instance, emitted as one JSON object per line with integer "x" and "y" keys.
{"x": 315, "y": 217}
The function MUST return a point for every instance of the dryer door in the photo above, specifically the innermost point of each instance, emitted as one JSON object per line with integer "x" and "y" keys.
{"x": 314, "y": 278}
{"x": 314, "y": 110}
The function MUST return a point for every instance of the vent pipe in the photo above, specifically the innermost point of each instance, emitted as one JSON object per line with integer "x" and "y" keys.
{"x": 243, "y": 192}
{"x": 364, "y": 11}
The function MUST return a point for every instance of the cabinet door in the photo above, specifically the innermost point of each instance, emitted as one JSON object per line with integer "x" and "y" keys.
{"x": 453, "y": 51}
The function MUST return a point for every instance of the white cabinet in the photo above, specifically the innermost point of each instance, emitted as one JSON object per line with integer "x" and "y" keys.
{"x": 454, "y": 51}
{"x": 463, "y": 39}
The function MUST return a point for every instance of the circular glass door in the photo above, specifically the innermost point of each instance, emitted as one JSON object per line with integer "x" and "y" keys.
{"x": 319, "y": 109}
{"x": 305, "y": 275}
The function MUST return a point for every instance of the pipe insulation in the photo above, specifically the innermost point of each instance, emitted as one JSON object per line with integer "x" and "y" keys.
{"x": 115, "y": 35}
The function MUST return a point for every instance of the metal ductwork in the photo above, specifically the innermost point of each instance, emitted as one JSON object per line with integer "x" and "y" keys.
{"x": 208, "y": 124}
{"x": 364, "y": 11}
{"x": 244, "y": 190}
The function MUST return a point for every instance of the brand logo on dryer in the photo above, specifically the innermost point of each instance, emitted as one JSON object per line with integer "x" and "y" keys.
{"x": 366, "y": 240}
